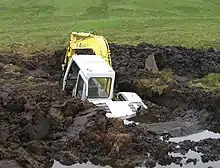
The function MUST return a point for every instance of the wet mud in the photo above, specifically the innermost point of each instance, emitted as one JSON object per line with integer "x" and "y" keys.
{"x": 168, "y": 92}
{"x": 39, "y": 122}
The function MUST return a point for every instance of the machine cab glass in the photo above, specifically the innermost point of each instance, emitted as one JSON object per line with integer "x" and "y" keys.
{"x": 99, "y": 87}
{"x": 80, "y": 88}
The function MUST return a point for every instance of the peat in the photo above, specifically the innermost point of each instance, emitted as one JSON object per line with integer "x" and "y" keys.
{"x": 39, "y": 122}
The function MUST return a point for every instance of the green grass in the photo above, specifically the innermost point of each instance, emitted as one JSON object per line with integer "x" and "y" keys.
{"x": 210, "y": 82}
{"x": 157, "y": 82}
{"x": 48, "y": 23}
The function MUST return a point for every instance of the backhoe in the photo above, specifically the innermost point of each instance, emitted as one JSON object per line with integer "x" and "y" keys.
{"x": 91, "y": 76}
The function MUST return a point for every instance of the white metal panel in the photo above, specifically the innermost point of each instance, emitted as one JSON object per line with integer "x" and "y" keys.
{"x": 93, "y": 64}
{"x": 119, "y": 109}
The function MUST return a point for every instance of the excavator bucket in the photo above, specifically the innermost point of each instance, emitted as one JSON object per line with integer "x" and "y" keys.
{"x": 155, "y": 62}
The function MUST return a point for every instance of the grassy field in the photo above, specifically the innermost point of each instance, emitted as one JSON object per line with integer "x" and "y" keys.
{"x": 48, "y": 23}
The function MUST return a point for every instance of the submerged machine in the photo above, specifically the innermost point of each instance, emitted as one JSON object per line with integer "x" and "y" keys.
{"x": 91, "y": 76}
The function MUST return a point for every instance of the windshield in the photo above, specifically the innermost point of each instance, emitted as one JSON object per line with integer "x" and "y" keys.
{"x": 99, "y": 87}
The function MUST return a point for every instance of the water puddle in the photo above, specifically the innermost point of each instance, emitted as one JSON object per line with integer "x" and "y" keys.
{"x": 127, "y": 122}
{"x": 192, "y": 154}
{"x": 197, "y": 137}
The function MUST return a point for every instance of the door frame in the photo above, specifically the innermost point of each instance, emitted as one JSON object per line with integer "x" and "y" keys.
{"x": 85, "y": 86}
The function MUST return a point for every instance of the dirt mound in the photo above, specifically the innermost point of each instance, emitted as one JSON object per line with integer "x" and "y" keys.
{"x": 49, "y": 62}
{"x": 39, "y": 122}
{"x": 34, "y": 113}
{"x": 170, "y": 87}
{"x": 183, "y": 61}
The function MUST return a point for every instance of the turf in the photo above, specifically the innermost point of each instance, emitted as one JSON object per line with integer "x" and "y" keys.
{"x": 209, "y": 82}
{"x": 48, "y": 23}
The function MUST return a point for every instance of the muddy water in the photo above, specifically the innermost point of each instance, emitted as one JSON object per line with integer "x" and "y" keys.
{"x": 192, "y": 154}
{"x": 185, "y": 165}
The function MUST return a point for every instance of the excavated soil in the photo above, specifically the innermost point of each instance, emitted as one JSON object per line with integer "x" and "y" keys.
{"x": 40, "y": 123}
{"x": 169, "y": 92}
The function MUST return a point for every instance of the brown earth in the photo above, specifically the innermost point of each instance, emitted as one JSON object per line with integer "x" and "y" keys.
{"x": 39, "y": 122}
{"x": 169, "y": 89}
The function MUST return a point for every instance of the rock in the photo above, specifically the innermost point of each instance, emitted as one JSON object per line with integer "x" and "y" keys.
{"x": 66, "y": 158}
{"x": 35, "y": 147}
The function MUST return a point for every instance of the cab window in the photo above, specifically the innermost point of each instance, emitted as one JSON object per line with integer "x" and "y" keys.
{"x": 99, "y": 87}
{"x": 72, "y": 75}
{"x": 80, "y": 87}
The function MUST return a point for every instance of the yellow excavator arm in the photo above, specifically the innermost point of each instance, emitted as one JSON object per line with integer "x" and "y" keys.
{"x": 98, "y": 44}
{"x": 81, "y": 40}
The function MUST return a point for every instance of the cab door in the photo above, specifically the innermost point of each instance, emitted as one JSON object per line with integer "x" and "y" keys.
{"x": 70, "y": 77}
{"x": 81, "y": 87}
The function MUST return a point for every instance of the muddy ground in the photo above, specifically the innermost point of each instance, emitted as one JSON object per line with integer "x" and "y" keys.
{"x": 170, "y": 90}
{"x": 40, "y": 123}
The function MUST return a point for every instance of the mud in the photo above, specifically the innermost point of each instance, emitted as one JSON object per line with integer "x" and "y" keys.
{"x": 208, "y": 147}
{"x": 40, "y": 123}
{"x": 169, "y": 90}
{"x": 183, "y": 61}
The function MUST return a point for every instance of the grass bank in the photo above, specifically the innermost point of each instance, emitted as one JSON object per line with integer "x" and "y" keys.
{"x": 33, "y": 25}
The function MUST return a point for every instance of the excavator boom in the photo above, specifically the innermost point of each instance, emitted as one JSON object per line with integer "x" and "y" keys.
{"x": 81, "y": 40}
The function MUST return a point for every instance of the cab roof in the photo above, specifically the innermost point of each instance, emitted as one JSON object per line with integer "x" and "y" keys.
{"x": 93, "y": 65}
